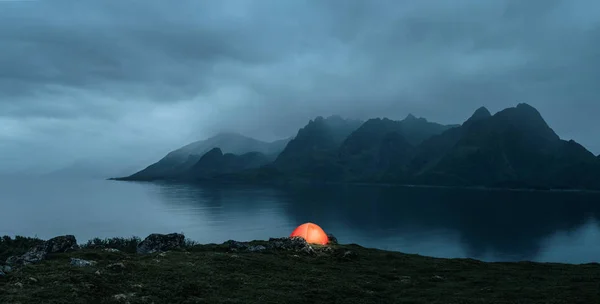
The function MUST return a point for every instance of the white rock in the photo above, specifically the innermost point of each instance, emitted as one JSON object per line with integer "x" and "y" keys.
{"x": 81, "y": 262}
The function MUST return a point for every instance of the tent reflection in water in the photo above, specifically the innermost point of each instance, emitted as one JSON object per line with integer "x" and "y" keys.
{"x": 312, "y": 233}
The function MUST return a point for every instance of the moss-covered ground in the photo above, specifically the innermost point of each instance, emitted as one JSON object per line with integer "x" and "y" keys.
{"x": 212, "y": 274}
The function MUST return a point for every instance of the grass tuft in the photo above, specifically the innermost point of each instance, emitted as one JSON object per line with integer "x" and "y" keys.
{"x": 128, "y": 245}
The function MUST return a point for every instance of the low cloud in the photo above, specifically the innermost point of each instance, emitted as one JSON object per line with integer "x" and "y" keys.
{"x": 131, "y": 80}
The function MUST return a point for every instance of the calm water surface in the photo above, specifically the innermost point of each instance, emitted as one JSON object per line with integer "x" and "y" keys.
{"x": 486, "y": 225}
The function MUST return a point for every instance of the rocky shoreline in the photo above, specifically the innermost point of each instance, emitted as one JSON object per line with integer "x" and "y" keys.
{"x": 167, "y": 268}
{"x": 160, "y": 243}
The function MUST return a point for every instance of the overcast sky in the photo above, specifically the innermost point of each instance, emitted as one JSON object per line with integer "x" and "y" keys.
{"x": 132, "y": 80}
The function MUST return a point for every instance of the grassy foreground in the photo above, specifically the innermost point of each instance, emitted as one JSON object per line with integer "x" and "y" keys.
{"x": 212, "y": 274}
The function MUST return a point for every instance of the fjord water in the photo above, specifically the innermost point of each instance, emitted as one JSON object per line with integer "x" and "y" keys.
{"x": 490, "y": 225}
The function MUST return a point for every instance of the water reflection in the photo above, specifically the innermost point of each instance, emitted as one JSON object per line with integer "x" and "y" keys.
{"x": 489, "y": 225}
{"x": 220, "y": 212}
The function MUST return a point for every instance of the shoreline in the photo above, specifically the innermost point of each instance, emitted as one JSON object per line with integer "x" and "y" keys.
{"x": 213, "y": 244}
{"x": 280, "y": 270}
{"x": 129, "y": 240}
{"x": 371, "y": 184}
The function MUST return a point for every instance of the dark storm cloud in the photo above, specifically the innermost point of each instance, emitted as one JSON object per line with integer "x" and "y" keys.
{"x": 111, "y": 46}
{"x": 102, "y": 74}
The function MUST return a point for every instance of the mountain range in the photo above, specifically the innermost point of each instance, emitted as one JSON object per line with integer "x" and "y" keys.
{"x": 513, "y": 148}
{"x": 177, "y": 163}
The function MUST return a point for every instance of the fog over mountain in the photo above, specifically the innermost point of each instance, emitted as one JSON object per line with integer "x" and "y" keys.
{"x": 130, "y": 81}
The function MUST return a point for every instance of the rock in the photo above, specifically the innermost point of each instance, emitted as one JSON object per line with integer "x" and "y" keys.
{"x": 326, "y": 250}
{"x": 308, "y": 250}
{"x": 123, "y": 297}
{"x": 235, "y": 245}
{"x": 160, "y": 242}
{"x": 12, "y": 260}
{"x": 19, "y": 284}
{"x": 257, "y": 248}
{"x": 2, "y": 274}
{"x": 34, "y": 255}
{"x": 82, "y": 263}
{"x": 63, "y": 243}
{"x": 137, "y": 286}
{"x": 349, "y": 255}
{"x": 293, "y": 244}
{"x": 116, "y": 266}
{"x": 6, "y": 269}
{"x": 38, "y": 253}
{"x": 32, "y": 280}
{"x": 297, "y": 244}
{"x": 332, "y": 239}
{"x": 113, "y": 250}
{"x": 97, "y": 272}
{"x": 437, "y": 278}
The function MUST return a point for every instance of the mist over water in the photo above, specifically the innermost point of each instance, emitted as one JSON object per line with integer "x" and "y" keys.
{"x": 488, "y": 225}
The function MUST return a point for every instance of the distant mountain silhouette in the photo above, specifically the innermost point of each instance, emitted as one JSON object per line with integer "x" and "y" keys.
{"x": 514, "y": 148}
{"x": 214, "y": 162}
{"x": 178, "y": 162}
{"x": 480, "y": 114}
{"x": 381, "y": 148}
{"x": 313, "y": 149}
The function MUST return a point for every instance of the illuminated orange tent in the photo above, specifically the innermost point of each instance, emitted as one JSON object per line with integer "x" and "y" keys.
{"x": 312, "y": 233}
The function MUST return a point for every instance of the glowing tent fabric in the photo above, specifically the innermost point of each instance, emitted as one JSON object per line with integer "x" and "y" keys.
{"x": 312, "y": 233}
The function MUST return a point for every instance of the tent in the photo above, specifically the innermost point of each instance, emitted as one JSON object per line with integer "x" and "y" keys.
{"x": 312, "y": 233}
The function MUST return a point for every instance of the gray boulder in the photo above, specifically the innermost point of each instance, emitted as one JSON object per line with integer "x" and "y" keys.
{"x": 257, "y": 248}
{"x": 235, "y": 245}
{"x": 308, "y": 250}
{"x": 332, "y": 239}
{"x": 161, "y": 242}
{"x": 38, "y": 253}
{"x": 34, "y": 255}
{"x": 63, "y": 243}
{"x": 12, "y": 260}
{"x": 297, "y": 244}
{"x": 81, "y": 262}
{"x": 6, "y": 269}
{"x": 349, "y": 255}
{"x": 326, "y": 250}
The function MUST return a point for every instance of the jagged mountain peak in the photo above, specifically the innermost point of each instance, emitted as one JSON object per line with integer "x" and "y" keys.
{"x": 480, "y": 114}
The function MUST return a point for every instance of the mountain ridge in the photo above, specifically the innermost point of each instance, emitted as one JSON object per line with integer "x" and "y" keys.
{"x": 182, "y": 159}
{"x": 513, "y": 148}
